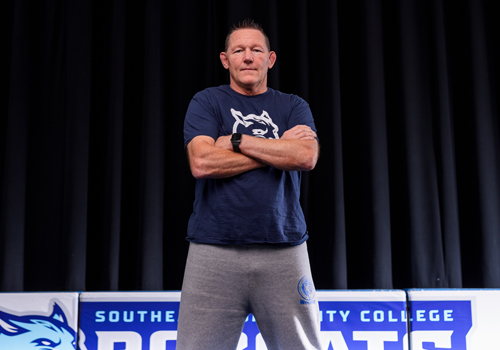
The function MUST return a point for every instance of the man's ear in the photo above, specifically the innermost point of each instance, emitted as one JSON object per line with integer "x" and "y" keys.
{"x": 223, "y": 59}
{"x": 272, "y": 59}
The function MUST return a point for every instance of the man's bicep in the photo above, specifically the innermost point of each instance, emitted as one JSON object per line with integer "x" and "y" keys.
{"x": 198, "y": 149}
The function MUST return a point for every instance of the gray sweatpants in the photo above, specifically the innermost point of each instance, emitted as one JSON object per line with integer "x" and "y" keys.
{"x": 223, "y": 284}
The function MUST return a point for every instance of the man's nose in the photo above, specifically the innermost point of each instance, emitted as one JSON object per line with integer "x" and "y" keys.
{"x": 248, "y": 56}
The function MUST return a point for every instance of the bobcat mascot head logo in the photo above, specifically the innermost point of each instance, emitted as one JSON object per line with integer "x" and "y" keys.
{"x": 36, "y": 332}
{"x": 261, "y": 125}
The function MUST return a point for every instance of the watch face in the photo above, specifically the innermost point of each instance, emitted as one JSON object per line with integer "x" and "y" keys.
{"x": 236, "y": 137}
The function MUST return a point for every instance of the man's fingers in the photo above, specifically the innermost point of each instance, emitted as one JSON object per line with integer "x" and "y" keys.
{"x": 307, "y": 138}
{"x": 305, "y": 133}
{"x": 299, "y": 132}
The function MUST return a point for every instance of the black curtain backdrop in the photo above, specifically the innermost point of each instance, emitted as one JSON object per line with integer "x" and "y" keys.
{"x": 96, "y": 190}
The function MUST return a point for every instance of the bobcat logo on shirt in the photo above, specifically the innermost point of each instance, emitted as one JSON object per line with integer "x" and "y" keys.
{"x": 36, "y": 332}
{"x": 260, "y": 125}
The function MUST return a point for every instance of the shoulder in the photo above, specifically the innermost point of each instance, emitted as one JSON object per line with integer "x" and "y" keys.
{"x": 208, "y": 98}
{"x": 291, "y": 98}
{"x": 212, "y": 92}
{"x": 286, "y": 100}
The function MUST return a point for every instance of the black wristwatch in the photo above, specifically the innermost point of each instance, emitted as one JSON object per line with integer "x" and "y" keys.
{"x": 235, "y": 140}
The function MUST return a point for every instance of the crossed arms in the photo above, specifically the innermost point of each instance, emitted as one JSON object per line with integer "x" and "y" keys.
{"x": 297, "y": 149}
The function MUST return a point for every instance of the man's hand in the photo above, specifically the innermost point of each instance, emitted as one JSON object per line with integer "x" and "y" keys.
{"x": 299, "y": 132}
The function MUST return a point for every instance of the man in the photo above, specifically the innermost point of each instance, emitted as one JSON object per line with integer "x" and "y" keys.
{"x": 247, "y": 145}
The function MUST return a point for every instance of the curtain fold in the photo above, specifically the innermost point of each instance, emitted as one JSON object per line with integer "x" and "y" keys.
{"x": 15, "y": 150}
{"x": 485, "y": 120}
{"x": 424, "y": 222}
{"x": 378, "y": 212}
{"x": 106, "y": 149}
{"x": 152, "y": 162}
{"x": 445, "y": 149}
{"x": 326, "y": 220}
{"x": 78, "y": 53}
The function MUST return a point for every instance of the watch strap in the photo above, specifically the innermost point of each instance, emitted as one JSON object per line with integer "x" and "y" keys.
{"x": 235, "y": 141}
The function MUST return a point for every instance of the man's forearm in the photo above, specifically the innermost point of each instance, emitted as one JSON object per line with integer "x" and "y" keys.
{"x": 284, "y": 154}
{"x": 297, "y": 149}
{"x": 209, "y": 161}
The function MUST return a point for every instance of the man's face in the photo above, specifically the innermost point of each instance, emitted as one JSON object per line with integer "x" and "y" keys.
{"x": 248, "y": 60}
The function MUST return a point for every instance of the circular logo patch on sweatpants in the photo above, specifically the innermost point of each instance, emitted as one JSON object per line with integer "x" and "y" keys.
{"x": 306, "y": 290}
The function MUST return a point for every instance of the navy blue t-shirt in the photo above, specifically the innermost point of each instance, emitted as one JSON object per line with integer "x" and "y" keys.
{"x": 260, "y": 206}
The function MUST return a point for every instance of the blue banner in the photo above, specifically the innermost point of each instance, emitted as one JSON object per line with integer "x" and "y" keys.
{"x": 152, "y": 325}
{"x": 129, "y": 325}
{"x": 440, "y": 324}
{"x": 362, "y": 325}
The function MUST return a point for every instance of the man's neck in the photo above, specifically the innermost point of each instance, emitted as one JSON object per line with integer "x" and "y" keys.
{"x": 248, "y": 91}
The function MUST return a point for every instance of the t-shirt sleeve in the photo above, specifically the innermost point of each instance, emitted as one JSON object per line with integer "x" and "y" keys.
{"x": 300, "y": 114}
{"x": 201, "y": 119}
